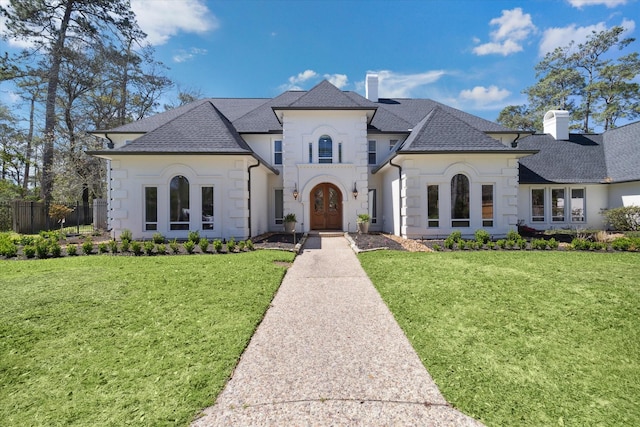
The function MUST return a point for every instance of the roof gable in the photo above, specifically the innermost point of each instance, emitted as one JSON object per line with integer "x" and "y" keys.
{"x": 441, "y": 131}
{"x": 325, "y": 96}
{"x": 203, "y": 129}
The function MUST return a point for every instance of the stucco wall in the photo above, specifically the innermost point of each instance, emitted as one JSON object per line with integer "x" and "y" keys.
{"x": 227, "y": 174}
{"x": 624, "y": 194}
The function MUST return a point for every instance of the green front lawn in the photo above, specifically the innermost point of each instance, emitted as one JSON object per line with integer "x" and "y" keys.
{"x": 522, "y": 338}
{"x": 106, "y": 340}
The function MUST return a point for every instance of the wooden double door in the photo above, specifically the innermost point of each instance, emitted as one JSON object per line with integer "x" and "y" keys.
{"x": 326, "y": 207}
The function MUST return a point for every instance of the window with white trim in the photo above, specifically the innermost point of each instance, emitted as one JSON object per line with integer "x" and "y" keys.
{"x": 372, "y": 153}
{"x": 278, "y": 205}
{"x": 277, "y": 152}
{"x": 487, "y": 205}
{"x": 557, "y": 205}
{"x": 460, "y": 201}
{"x": 373, "y": 205}
{"x": 392, "y": 143}
{"x": 150, "y": 208}
{"x": 179, "y": 203}
{"x": 433, "y": 206}
{"x": 207, "y": 208}
{"x": 577, "y": 204}
{"x": 325, "y": 149}
{"x": 537, "y": 204}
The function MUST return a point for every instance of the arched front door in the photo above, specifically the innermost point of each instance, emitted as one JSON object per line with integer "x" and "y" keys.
{"x": 326, "y": 207}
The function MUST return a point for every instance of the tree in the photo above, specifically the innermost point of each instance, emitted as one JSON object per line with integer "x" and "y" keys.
{"x": 585, "y": 79}
{"x": 47, "y": 25}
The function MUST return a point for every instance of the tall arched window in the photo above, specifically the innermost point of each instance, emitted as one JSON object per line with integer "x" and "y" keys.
{"x": 460, "y": 201}
{"x": 325, "y": 149}
{"x": 179, "y": 203}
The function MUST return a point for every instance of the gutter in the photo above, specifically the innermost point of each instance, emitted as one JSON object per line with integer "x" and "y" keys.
{"x": 110, "y": 144}
{"x": 249, "y": 183}
{"x": 399, "y": 192}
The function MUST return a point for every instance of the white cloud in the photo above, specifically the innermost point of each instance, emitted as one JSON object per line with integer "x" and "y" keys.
{"x": 396, "y": 85}
{"x": 483, "y": 96}
{"x": 162, "y": 19}
{"x": 556, "y": 37}
{"x": 609, "y": 3}
{"x": 338, "y": 80}
{"x": 183, "y": 55}
{"x": 513, "y": 27}
{"x": 13, "y": 42}
{"x": 295, "y": 81}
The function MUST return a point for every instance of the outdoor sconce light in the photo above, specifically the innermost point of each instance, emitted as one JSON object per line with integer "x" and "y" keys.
{"x": 295, "y": 191}
{"x": 355, "y": 191}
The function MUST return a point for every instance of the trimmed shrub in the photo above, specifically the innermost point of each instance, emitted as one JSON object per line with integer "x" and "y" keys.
{"x": 103, "y": 248}
{"x": 42, "y": 248}
{"x": 87, "y": 246}
{"x": 231, "y": 245}
{"x": 175, "y": 246}
{"x": 158, "y": 238}
{"x": 126, "y": 244}
{"x": 436, "y": 247}
{"x": 136, "y": 248}
{"x": 540, "y": 244}
{"x": 241, "y": 245}
{"x": 55, "y": 249}
{"x": 29, "y": 251}
{"x": 217, "y": 245}
{"x": 161, "y": 249}
{"x": 513, "y": 235}
{"x": 72, "y": 250}
{"x": 113, "y": 246}
{"x": 126, "y": 235}
{"x": 580, "y": 244}
{"x": 250, "y": 245}
{"x": 456, "y": 236}
{"x": 189, "y": 246}
{"x": 482, "y": 237}
{"x": 149, "y": 246}
{"x": 449, "y": 243}
{"x": 194, "y": 236}
{"x": 204, "y": 244}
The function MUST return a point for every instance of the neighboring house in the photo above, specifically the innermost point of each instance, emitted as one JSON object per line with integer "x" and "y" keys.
{"x": 236, "y": 167}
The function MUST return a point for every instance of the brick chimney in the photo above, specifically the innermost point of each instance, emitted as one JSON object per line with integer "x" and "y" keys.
{"x": 556, "y": 123}
{"x": 371, "y": 87}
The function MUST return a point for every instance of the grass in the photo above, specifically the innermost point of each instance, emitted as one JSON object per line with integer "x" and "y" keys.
{"x": 522, "y": 338}
{"x": 107, "y": 340}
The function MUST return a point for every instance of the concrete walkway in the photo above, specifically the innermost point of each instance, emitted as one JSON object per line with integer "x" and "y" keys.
{"x": 329, "y": 352}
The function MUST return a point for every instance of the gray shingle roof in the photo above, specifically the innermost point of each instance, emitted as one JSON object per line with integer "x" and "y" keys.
{"x": 622, "y": 153}
{"x": 578, "y": 160}
{"x": 440, "y": 131}
{"x": 204, "y": 129}
{"x": 326, "y": 96}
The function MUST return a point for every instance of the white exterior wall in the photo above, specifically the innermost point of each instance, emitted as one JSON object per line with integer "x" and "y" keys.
{"x": 596, "y": 196}
{"x": 419, "y": 171}
{"x": 227, "y": 174}
{"x": 348, "y": 128}
{"x": 624, "y": 194}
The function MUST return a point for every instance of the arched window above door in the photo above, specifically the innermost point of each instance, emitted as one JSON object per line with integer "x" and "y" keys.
{"x": 460, "y": 201}
{"x": 325, "y": 149}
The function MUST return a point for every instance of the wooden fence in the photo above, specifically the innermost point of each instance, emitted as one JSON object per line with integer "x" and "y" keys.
{"x": 29, "y": 217}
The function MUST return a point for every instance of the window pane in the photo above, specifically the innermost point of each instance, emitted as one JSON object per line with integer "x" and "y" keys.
{"x": 392, "y": 143}
{"x": 460, "y": 200}
{"x": 537, "y": 205}
{"x": 372, "y": 153}
{"x": 277, "y": 152}
{"x": 577, "y": 204}
{"x": 318, "y": 204}
{"x": 179, "y": 200}
{"x": 433, "y": 205}
{"x": 151, "y": 204}
{"x": 373, "y": 206}
{"x": 310, "y": 152}
{"x": 207, "y": 208}
{"x": 487, "y": 205}
{"x": 557, "y": 204}
{"x": 340, "y": 152}
{"x": 278, "y": 205}
{"x": 325, "y": 149}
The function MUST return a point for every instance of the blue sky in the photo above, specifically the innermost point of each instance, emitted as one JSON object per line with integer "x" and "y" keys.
{"x": 474, "y": 55}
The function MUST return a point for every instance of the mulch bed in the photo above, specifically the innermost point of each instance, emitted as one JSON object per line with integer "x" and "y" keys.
{"x": 283, "y": 241}
{"x": 375, "y": 241}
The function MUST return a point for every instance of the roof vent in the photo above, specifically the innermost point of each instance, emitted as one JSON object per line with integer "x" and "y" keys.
{"x": 556, "y": 123}
{"x": 371, "y": 87}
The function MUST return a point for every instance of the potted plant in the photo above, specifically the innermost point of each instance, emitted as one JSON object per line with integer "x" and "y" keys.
{"x": 363, "y": 223}
{"x": 290, "y": 223}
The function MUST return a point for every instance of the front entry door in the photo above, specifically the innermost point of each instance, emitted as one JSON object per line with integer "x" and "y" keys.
{"x": 326, "y": 207}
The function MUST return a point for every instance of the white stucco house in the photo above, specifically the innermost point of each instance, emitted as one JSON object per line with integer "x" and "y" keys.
{"x": 236, "y": 167}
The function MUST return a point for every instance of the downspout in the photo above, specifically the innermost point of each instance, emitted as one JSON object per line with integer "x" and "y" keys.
{"x": 399, "y": 194}
{"x": 514, "y": 143}
{"x": 110, "y": 143}
{"x": 249, "y": 201}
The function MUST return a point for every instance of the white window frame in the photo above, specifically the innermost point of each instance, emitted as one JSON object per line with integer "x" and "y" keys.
{"x": 372, "y": 143}
{"x": 537, "y": 218}
{"x": 582, "y": 218}
{"x": 149, "y": 225}
{"x": 208, "y": 223}
{"x": 276, "y": 152}
{"x": 278, "y": 220}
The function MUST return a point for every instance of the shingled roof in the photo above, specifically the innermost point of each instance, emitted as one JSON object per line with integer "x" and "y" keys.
{"x": 622, "y": 153}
